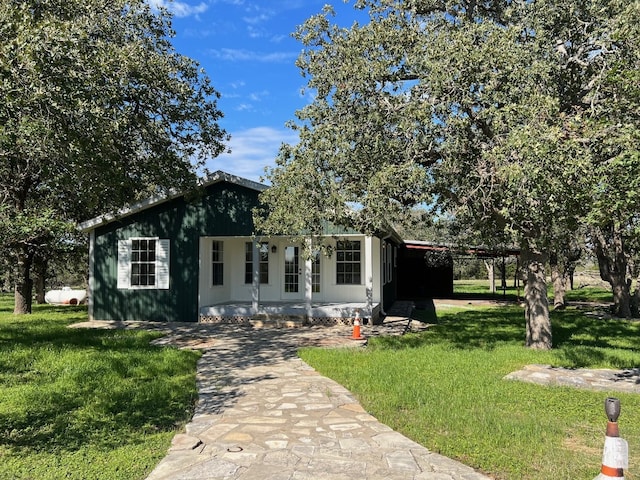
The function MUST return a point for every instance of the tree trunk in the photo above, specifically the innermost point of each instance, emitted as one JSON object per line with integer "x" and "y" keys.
{"x": 612, "y": 263}
{"x": 536, "y": 303}
{"x": 558, "y": 281}
{"x": 570, "y": 271}
{"x": 491, "y": 273}
{"x": 23, "y": 282}
{"x": 635, "y": 300}
{"x": 559, "y": 286}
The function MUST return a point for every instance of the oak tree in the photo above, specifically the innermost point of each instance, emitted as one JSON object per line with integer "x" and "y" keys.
{"x": 473, "y": 107}
{"x": 96, "y": 109}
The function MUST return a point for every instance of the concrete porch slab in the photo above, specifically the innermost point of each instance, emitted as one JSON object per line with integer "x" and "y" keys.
{"x": 288, "y": 314}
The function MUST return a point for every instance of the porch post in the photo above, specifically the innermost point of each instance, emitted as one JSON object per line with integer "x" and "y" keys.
{"x": 308, "y": 279}
{"x": 255, "y": 265}
{"x": 368, "y": 273}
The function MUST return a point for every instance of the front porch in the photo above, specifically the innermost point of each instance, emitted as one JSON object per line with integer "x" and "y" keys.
{"x": 289, "y": 314}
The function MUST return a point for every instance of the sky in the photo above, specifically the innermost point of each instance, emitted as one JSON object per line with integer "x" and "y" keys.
{"x": 246, "y": 49}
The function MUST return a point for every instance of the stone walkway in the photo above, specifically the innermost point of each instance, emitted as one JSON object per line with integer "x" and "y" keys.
{"x": 627, "y": 381}
{"x": 263, "y": 414}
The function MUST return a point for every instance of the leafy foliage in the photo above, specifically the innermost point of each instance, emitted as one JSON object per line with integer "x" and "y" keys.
{"x": 97, "y": 109}
{"x": 488, "y": 111}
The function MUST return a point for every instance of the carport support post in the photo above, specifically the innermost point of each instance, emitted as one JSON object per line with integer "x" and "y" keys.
{"x": 255, "y": 265}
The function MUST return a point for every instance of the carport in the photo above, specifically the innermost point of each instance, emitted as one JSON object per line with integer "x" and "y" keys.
{"x": 426, "y": 270}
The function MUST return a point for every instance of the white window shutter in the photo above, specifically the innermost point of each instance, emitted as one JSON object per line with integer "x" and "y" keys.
{"x": 124, "y": 264}
{"x": 162, "y": 264}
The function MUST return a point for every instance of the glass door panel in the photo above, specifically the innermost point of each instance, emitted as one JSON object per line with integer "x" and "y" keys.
{"x": 291, "y": 269}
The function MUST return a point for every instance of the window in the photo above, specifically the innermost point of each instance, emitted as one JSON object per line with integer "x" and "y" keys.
{"x": 384, "y": 264}
{"x": 143, "y": 263}
{"x": 263, "y": 263}
{"x": 389, "y": 263}
{"x": 348, "y": 264}
{"x": 217, "y": 263}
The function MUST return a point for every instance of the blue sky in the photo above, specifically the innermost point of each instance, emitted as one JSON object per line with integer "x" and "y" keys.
{"x": 247, "y": 50}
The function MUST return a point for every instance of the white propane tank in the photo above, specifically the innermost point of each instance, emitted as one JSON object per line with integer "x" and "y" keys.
{"x": 65, "y": 296}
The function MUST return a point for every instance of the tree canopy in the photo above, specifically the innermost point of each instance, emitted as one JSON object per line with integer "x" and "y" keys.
{"x": 97, "y": 108}
{"x": 478, "y": 109}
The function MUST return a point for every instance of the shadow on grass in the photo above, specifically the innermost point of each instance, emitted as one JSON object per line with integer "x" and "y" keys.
{"x": 581, "y": 340}
{"x": 65, "y": 388}
{"x": 585, "y": 340}
{"x": 471, "y": 329}
{"x": 499, "y": 296}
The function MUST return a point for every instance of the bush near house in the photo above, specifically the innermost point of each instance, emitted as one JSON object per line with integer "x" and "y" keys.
{"x": 81, "y": 404}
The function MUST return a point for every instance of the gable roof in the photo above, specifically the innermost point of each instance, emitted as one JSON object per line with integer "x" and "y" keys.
{"x": 155, "y": 200}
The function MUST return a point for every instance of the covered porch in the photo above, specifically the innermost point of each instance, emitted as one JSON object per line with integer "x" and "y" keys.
{"x": 290, "y": 314}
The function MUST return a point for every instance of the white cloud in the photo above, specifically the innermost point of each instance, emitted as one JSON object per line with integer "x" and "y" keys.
{"x": 258, "y": 96}
{"x": 242, "y": 55}
{"x": 278, "y": 38}
{"x": 261, "y": 17}
{"x": 251, "y": 151}
{"x": 180, "y": 9}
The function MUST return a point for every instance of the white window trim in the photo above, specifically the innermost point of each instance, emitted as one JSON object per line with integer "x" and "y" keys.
{"x": 162, "y": 264}
{"x": 362, "y": 262}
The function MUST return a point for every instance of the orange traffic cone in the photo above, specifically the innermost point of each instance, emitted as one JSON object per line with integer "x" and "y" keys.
{"x": 615, "y": 457}
{"x": 356, "y": 327}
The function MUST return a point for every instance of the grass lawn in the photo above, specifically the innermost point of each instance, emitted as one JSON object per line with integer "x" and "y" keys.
{"x": 445, "y": 389}
{"x": 86, "y": 404}
{"x": 590, "y": 292}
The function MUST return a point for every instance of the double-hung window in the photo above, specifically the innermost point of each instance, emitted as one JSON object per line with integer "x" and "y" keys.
{"x": 348, "y": 262}
{"x": 387, "y": 263}
{"x": 217, "y": 263}
{"x": 143, "y": 263}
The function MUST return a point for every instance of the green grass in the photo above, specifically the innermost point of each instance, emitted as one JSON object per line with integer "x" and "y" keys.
{"x": 86, "y": 404}
{"x": 589, "y": 294}
{"x": 445, "y": 389}
{"x": 480, "y": 289}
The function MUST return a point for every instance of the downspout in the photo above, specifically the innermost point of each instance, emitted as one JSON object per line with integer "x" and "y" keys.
{"x": 91, "y": 282}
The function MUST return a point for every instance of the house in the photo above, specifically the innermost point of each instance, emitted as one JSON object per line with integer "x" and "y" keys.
{"x": 178, "y": 258}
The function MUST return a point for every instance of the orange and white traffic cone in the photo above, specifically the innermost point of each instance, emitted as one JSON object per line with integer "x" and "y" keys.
{"x": 356, "y": 327}
{"x": 615, "y": 456}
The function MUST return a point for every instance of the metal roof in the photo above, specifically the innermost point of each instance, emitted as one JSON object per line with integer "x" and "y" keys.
{"x": 478, "y": 251}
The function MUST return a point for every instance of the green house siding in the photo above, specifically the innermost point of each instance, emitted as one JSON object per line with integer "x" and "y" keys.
{"x": 224, "y": 210}
{"x": 389, "y": 293}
